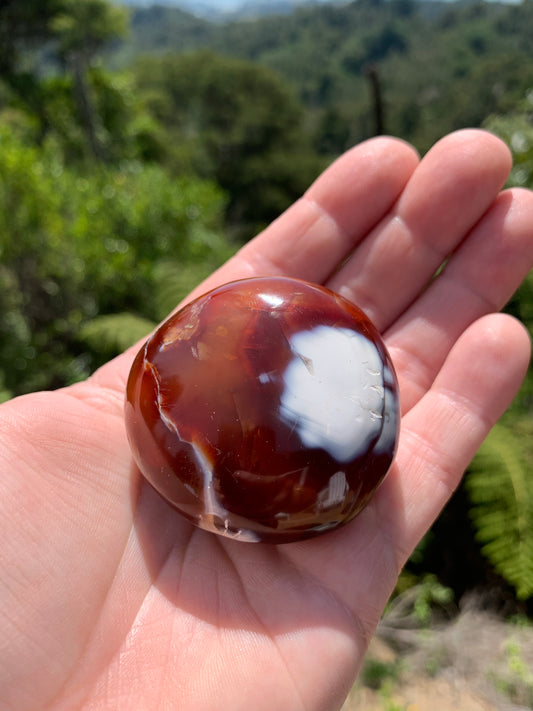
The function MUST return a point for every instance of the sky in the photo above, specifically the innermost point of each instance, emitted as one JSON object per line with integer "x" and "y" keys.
{"x": 227, "y": 5}
{"x": 234, "y": 4}
{"x": 220, "y": 5}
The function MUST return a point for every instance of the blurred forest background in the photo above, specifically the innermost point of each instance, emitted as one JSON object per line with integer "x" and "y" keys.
{"x": 140, "y": 147}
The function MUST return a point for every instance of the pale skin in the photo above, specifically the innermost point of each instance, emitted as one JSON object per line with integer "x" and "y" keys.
{"x": 110, "y": 600}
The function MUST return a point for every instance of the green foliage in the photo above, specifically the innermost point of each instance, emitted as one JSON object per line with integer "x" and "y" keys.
{"x": 516, "y": 129}
{"x": 417, "y": 599}
{"x": 508, "y": 454}
{"x": 82, "y": 29}
{"x": 157, "y": 29}
{"x": 76, "y": 246}
{"x": 172, "y": 283}
{"x": 442, "y": 65}
{"x": 499, "y": 485}
{"x": 430, "y": 594}
{"x": 22, "y": 25}
{"x": 516, "y": 682}
{"x": 382, "y": 676}
{"x": 520, "y": 621}
{"x": 376, "y": 673}
{"x": 88, "y": 25}
{"x": 124, "y": 129}
{"x": 232, "y": 122}
{"x": 115, "y": 332}
{"x": 71, "y": 33}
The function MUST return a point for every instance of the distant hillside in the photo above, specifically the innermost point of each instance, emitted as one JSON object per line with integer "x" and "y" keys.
{"x": 159, "y": 28}
{"x": 165, "y": 27}
{"x": 217, "y": 10}
{"x": 440, "y": 65}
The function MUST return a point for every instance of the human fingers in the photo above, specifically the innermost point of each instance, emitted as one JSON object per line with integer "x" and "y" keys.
{"x": 478, "y": 279}
{"x": 450, "y": 190}
{"x": 443, "y": 431}
{"x": 320, "y": 230}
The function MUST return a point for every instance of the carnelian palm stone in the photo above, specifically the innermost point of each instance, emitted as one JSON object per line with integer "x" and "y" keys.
{"x": 265, "y": 410}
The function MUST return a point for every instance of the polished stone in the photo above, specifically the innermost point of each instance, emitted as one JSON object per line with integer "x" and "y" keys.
{"x": 266, "y": 410}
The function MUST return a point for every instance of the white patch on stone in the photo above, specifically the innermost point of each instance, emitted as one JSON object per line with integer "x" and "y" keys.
{"x": 388, "y": 433}
{"x": 215, "y": 517}
{"x": 334, "y": 391}
{"x": 160, "y": 401}
{"x": 334, "y": 493}
{"x": 212, "y": 507}
{"x": 271, "y": 300}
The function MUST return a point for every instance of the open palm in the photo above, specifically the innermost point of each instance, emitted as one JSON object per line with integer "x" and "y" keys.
{"x": 110, "y": 600}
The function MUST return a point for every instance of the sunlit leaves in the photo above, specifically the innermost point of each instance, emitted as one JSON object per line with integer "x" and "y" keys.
{"x": 76, "y": 246}
{"x": 87, "y": 25}
{"x": 502, "y": 506}
{"x": 516, "y": 129}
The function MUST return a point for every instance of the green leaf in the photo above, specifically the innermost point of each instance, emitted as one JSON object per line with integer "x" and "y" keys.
{"x": 499, "y": 486}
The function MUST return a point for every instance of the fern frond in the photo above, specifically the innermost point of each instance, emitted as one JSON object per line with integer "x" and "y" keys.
{"x": 500, "y": 487}
{"x": 113, "y": 333}
{"x": 173, "y": 280}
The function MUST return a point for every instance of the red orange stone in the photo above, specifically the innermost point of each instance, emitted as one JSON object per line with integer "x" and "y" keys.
{"x": 265, "y": 410}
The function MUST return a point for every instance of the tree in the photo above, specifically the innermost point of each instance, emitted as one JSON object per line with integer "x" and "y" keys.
{"x": 235, "y": 122}
{"x": 25, "y": 27}
{"x": 78, "y": 246}
{"x": 83, "y": 28}
{"x": 57, "y": 32}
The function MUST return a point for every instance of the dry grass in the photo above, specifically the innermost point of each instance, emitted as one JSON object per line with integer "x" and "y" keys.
{"x": 476, "y": 662}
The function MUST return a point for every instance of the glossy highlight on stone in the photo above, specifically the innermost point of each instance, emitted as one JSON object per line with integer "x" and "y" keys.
{"x": 265, "y": 410}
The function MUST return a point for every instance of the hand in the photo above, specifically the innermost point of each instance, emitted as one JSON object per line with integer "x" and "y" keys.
{"x": 110, "y": 600}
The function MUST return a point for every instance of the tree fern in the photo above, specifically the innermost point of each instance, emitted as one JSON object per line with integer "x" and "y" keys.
{"x": 110, "y": 334}
{"x": 113, "y": 333}
{"x": 500, "y": 486}
{"x": 173, "y": 279}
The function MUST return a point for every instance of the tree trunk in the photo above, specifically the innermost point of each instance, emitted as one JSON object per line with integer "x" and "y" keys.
{"x": 372, "y": 73}
{"x": 85, "y": 105}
